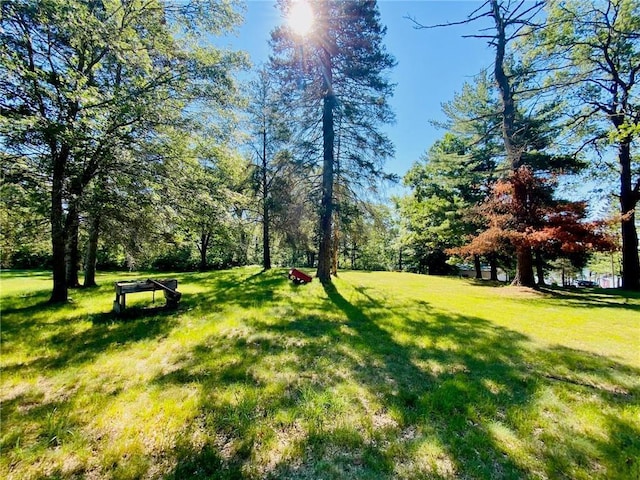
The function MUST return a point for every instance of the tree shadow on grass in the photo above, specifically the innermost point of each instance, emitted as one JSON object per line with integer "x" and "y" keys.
{"x": 501, "y": 373}
{"x": 596, "y": 298}
{"x": 414, "y": 400}
{"x": 444, "y": 387}
{"x": 38, "y": 407}
{"x": 451, "y": 380}
{"x": 64, "y": 345}
{"x": 270, "y": 403}
{"x": 241, "y": 289}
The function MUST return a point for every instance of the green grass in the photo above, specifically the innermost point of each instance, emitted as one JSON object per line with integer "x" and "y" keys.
{"x": 382, "y": 375}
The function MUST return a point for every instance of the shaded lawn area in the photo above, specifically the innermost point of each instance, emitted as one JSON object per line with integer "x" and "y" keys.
{"x": 381, "y": 375}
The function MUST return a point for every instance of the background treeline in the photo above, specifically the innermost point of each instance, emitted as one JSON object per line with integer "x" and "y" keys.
{"x": 128, "y": 141}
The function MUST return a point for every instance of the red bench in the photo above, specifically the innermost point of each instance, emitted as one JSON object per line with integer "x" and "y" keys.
{"x": 299, "y": 277}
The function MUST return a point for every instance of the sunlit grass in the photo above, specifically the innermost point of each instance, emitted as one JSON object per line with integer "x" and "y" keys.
{"x": 383, "y": 375}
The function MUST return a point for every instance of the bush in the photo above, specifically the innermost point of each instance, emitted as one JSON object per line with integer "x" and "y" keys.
{"x": 25, "y": 258}
{"x": 179, "y": 259}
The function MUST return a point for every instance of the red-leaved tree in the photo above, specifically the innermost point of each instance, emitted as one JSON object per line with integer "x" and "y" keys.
{"x": 534, "y": 219}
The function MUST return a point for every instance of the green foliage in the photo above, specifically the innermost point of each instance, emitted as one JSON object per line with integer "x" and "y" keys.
{"x": 351, "y": 34}
{"x": 84, "y": 85}
{"x": 368, "y": 237}
{"x": 337, "y": 73}
{"x": 446, "y": 185}
{"x": 23, "y": 227}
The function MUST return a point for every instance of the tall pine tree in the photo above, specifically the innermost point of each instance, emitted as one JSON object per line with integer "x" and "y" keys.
{"x": 337, "y": 72}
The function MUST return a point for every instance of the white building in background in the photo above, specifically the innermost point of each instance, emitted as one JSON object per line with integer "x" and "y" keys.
{"x": 486, "y": 274}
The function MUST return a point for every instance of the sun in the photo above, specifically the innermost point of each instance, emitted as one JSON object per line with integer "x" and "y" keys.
{"x": 300, "y": 18}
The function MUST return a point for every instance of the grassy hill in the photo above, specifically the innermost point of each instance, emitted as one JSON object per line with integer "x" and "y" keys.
{"x": 382, "y": 375}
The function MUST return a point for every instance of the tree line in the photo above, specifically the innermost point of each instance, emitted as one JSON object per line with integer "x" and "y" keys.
{"x": 128, "y": 140}
{"x": 560, "y": 99}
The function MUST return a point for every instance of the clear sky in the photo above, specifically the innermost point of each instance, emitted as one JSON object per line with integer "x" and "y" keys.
{"x": 432, "y": 64}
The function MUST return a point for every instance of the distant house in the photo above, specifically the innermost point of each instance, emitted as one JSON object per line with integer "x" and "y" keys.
{"x": 486, "y": 274}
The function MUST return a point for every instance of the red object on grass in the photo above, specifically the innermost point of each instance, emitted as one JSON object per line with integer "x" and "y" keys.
{"x": 299, "y": 277}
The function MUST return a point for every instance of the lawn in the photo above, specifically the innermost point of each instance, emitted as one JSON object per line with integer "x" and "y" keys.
{"x": 381, "y": 375}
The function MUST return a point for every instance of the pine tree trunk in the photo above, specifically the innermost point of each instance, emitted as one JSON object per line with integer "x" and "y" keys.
{"x": 92, "y": 252}
{"x": 326, "y": 216}
{"x": 524, "y": 269}
{"x": 335, "y": 252}
{"x": 628, "y": 202}
{"x": 354, "y": 251}
{"x": 266, "y": 246}
{"x": 477, "y": 266}
{"x": 58, "y": 238}
{"x": 506, "y": 93}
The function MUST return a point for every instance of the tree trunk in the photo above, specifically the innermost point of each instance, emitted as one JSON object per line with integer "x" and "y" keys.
{"x": 628, "y": 201}
{"x": 477, "y": 266}
{"x": 92, "y": 251}
{"x": 205, "y": 238}
{"x": 493, "y": 264}
{"x": 506, "y": 93}
{"x": 540, "y": 269}
{"x": 72, "y": 253}
{"x": 266, "y": 246}
{"x": 335, "y": 251}
{"x": 58, "y": 238}
{"x": 524, "y": 268}
{"x": 353, "y": 253}
{"x": 326, "y": 215}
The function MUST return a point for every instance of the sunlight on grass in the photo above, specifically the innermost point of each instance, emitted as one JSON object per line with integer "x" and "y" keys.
{"x": 381, "y": 375}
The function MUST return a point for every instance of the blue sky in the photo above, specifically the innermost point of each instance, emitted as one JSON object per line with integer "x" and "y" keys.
{"x": 432, "y": 64}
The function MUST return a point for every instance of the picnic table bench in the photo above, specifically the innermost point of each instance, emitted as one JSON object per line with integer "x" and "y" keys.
{"x": 169, "y": 288}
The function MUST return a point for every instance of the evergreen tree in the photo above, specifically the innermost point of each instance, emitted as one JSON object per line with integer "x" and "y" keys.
{"x": 337, "y": 72}
{"x": 524, "y": 136}
{"x": 270, "y": 132}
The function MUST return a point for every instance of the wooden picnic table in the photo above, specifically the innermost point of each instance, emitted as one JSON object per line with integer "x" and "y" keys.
{"x": 168, "y": 287}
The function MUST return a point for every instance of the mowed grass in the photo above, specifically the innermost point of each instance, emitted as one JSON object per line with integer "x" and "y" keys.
{"x": 382, "y": 375}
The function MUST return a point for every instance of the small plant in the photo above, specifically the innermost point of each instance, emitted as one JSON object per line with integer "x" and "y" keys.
{"x": 57, "y": 428}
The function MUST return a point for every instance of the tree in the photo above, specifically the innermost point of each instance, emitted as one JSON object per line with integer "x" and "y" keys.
{"x": 555, "y": 226}
{"x": 271, "y": 133}
{"x": 208, "y": 197}
{"x": 591, "y": 51}
{"x": 454, "y": 176}
{"x": 123, "y": 206}
{"x": 24, "y": 233}
{"x": 521, "y": 121}
{"x": 341, "y": 66}
{"x": 445, "y": 185}
{"x": 78, "y": 80}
